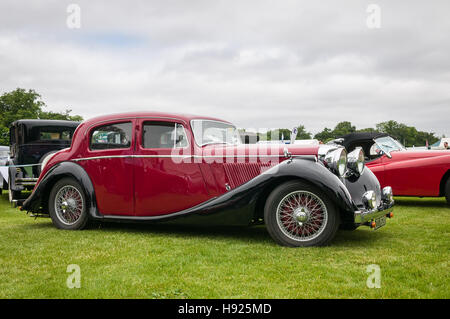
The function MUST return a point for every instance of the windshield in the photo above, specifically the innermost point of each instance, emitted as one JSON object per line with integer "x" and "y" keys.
{"x": 214, "y": 132}
{"x": 388, "y": 144}
{"x": 437, "y": 143}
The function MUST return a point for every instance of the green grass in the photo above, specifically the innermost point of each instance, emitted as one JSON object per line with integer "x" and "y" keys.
{"x": 166, "y": 261}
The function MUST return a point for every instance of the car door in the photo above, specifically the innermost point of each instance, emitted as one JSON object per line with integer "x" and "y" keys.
{"x": 410, "y": 174}
{"x": 109, "y": 163}
{"x": 167, "y": 179}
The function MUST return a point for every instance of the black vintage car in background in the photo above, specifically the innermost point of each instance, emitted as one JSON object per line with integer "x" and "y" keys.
{"x": 30, "y": 142}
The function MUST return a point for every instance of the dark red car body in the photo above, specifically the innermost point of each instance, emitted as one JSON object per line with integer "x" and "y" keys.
{"x": 120, "y": 176}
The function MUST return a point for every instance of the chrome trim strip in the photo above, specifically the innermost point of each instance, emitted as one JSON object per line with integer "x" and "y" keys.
{"x": 178, "y": 156}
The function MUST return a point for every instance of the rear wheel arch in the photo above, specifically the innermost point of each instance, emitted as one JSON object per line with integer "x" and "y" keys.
{"x": 68, "y": 208}
{"x": 56, "y": 173}
{"x": 48, "y": 188}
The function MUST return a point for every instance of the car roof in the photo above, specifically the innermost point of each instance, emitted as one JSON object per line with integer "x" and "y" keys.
{"x": 38, "y": 122}
{"x": 361, "y": 136}
{"x": 148, "y": 114}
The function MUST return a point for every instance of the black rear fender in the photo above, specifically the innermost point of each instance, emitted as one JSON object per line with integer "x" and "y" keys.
{"x": 38, "y": 201}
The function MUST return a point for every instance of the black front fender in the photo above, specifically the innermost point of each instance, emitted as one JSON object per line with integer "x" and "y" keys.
{"x": 36, "y": 203}
{"x": 242, "y": 205}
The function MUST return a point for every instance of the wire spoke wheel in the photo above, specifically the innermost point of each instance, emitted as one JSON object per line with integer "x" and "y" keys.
{"x": 301, "y": 216}
{"x": 69, "y": 205}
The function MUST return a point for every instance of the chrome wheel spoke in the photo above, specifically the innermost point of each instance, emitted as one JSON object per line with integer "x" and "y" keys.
{"x": 69, "y": 205}
{"x": 302, "y": 215}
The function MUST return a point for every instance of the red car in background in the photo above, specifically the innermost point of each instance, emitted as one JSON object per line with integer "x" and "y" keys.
{"x": 423, "y": 173}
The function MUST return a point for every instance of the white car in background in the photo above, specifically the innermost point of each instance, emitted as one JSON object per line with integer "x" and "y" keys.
{"x": 4, "y": 157}
{"x": 439, "y": 145}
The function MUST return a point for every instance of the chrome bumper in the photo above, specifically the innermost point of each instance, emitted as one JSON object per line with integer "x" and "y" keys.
{"x": 29, "y": 181}
{"x": 362, "y": 217}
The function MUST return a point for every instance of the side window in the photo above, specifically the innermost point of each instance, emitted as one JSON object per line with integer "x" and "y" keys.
{"x": 163, "y": 135}
{"x": 111, "y": 136}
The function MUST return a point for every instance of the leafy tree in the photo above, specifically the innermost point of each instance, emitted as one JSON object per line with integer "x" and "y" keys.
{"x": 368, "y": 129}
{"x": 343, "y": 128}
{"x": 22, "y": 104}
{"x": 285, "y": 133}
{"x": 302, "y": 134}
{"x": 408, "y": 135}
{"x": 282, "y": 133}
{"x": 325, "y": 135}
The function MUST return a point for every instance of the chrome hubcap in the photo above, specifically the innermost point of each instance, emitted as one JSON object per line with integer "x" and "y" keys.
{"x": 302, "y": 215}
{"x": 69, "y": 205}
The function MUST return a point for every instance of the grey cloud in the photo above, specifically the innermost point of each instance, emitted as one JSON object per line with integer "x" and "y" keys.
{"x": 255, "y": 63}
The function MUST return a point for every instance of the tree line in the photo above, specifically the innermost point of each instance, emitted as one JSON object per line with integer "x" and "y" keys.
{"x": 22, "y": 104}
{"x": 407, "y": 135}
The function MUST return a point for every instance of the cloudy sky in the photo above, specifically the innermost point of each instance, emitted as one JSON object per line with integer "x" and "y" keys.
{"x": 261, "y": 64}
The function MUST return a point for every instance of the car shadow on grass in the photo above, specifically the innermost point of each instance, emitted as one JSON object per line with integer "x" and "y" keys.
{"x": 245, "y": 233}
{"x": 361, "y": 237}
{"x": 254, "y": 234}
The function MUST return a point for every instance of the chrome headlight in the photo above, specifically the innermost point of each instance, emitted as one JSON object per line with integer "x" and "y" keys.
{"x": 356, "y": 160}
{"x": 337, "y": 161}
{"x": 388, "y": 195}
{"x": 370, "y": 199}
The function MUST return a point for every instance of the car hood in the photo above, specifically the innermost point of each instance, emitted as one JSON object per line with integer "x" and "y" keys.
{"x": 259, "y": 149}
{"x": 414, "y": 154}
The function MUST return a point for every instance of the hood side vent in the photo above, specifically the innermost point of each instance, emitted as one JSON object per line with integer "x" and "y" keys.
{"x": 240, "y": 173}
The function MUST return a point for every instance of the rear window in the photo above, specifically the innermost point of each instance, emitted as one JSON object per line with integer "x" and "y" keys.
{"x": 64, "y": 135}
{"x": 111, "y": 136}
{"x": 51, "y": 133}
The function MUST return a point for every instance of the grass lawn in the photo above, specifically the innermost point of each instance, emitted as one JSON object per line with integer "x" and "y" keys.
{"x": 166, "y": 261}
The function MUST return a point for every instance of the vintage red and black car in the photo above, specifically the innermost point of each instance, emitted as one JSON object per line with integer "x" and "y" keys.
{"x": 159, "y": 167}
{"x": 424, "y": 173}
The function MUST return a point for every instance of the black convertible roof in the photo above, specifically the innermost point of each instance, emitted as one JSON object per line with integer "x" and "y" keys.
{"x": 359, "y": 137}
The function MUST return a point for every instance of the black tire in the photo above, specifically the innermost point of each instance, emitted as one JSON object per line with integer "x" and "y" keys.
{"x": 284, "y": 235}
{"x": 72, "y": 217}
{"x": 12, "y": 194}
{"x": 447, "y": 191}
